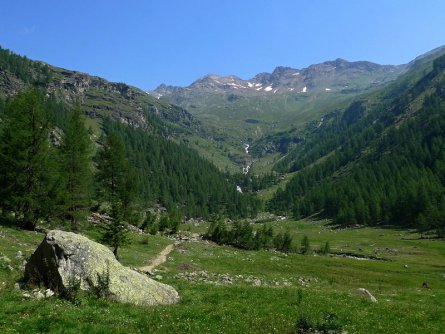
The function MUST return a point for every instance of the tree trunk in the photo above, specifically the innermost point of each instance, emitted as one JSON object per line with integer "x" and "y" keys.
{"x": 115, "y": 252}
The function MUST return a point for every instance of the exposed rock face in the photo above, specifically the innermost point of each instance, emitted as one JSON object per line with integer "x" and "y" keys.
{"x": 63, "y": 256}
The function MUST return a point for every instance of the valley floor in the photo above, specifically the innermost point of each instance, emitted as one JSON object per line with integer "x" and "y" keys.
{"x": 227, "y": 290}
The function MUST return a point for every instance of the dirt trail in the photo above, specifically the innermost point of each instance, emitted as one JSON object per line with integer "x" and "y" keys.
{"x": 161, "y": 258}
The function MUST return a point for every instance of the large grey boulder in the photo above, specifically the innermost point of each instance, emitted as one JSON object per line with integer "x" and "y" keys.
{"x": 63, "y": 257}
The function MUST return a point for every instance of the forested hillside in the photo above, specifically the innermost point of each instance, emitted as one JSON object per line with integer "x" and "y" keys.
{"x": 100, "y": 99}
{"x": 60, "y": 151}
{"x": 173, "y": 175}
{"x": 382, "y": 161}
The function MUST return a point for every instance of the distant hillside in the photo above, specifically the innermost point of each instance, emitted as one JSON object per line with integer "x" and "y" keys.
{"x": 380, "y": 161}
{"x": 237, "y": 112}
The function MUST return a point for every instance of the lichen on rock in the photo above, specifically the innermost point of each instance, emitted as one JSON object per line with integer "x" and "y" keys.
{"x": 64, "y": 256}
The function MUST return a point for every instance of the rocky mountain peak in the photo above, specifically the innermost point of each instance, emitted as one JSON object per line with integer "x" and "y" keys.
{"x": 333, "y": 75}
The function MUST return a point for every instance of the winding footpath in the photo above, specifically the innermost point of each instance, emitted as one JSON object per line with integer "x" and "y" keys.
{"x": 160, "y": 259}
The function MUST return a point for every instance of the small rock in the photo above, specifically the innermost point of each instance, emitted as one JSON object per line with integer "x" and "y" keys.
{"x": 367, "y": 294}
{"x": 425, "y": 285}
{"x": 150, "y": 272}
{"x": 17, "y": 286}
{"x": 38, "y": 295}
{"x": 26, "y": 294}
{"x": 257, "y": 282}
{"x": 226, "y": 279}
{"x": 48, "y": 293}
{"x": 18, "y": 254}
{"x": 405, "y": 266}
{"x": 158, "y": 277}
{"x": 4, "y": 258}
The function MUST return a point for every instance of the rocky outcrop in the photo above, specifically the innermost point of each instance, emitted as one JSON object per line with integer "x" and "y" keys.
{"x": 64, "y": 257}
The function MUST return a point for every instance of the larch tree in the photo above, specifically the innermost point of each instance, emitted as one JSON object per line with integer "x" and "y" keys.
{"x": 115, "y": 188}
{"x": 26, "y": 169}
{"x": 76, "y": 168}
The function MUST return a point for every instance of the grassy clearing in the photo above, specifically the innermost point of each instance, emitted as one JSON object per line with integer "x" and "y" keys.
{"x": 209, "y": 306}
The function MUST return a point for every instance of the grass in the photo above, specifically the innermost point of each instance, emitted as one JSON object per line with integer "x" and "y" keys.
{"x": 212, "y": 307}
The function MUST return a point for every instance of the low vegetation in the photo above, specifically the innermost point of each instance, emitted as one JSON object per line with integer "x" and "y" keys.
{"x": 225, "y": 289}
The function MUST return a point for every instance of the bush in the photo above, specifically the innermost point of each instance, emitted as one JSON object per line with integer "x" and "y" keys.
{"x": 305, "y": 245}
{"x": 305, "y": 323}
{"x": 72, "y": 291}
{"x": 326, "y": 249}
{"x": 329, "y": 324}
{"x": 243, "y": 236}
{"x": 102, "y": 288}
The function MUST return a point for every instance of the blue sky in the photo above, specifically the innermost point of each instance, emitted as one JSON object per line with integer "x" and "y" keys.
{"x": 145, "y": 43}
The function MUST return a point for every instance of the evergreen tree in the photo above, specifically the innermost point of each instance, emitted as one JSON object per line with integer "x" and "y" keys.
{"x": 116, "y": 233}
{"x": 26, "y": 170}
{"x": 111, "y": 168}
{"x": 112, "y": 176}
{"x": 76, "y": 168}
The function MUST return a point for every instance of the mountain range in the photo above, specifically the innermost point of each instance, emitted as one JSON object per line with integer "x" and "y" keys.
{"x": 338, "y": 76}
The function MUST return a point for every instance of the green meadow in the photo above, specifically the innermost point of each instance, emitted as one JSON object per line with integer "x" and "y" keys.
{"x": 229, "y": 290}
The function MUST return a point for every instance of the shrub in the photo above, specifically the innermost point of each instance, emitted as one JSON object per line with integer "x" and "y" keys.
{"x": 329, "y": 324}
{"x": 305, "y": 245}
{"x": 326, "y": 249}
{"x": 102, "y": 288}
{"x": 72, "y": 291}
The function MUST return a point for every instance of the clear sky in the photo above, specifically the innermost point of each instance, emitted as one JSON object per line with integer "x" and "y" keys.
{"x": 145, "y": 43}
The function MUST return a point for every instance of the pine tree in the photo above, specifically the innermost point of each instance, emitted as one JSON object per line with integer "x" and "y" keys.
{"x": 76, "y": 168}
{"x": 116, "y": 233}
{"x": 112, "y": 166}
{"x": 25, "y": 159}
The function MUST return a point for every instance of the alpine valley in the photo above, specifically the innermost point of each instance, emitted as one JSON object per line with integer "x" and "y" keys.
{"x": 299, "y": 201}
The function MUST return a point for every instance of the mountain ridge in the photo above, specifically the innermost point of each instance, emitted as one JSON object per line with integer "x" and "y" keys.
{"x": 100, "y": 97}
{"x": 284, "y": 79}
